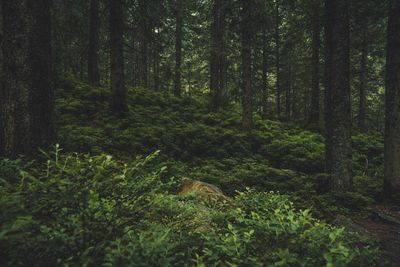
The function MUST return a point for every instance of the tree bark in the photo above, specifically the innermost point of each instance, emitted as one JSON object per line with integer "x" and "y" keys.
{"x": 178, "y": 48}
{"x": 362, "y": 108}
{"x": 41, "y": 94}
{"x": 26, "y": 89}
{"x": 218, "y": 55}
{"x": 144, "y": 42}
{"x": 264, "y": 98}
{"x": 247, "y": 65}
{"x": 93, "y": 50}
{"x": 118, "y": 104}
{"x": 316, "y": 44}
{"x": 392, "y": 125}
{"x": 338, "y": 107}
{"x": 278, "y": 63}
{"x": 14, "y": 85}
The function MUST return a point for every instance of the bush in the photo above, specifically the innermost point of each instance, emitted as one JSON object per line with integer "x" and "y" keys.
{"x": 95, "y": 210}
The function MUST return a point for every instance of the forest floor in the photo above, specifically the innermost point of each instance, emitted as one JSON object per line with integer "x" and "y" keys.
{"x": 384, "y": 224}
{"x": 210, "y": 147}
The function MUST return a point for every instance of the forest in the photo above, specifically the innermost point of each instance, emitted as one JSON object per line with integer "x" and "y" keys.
{"x": 200, "y": 133}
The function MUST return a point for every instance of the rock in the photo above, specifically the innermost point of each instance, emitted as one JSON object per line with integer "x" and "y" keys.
{"x": 203, "y": 191}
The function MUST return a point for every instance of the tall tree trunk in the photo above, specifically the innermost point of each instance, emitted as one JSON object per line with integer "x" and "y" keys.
{"x": 264, "y": 98}
{"x": 338, "y": 107}
{"x": 278, "y": 63}
{"x": 144, "y": 42}
{"x": 118, "y": 104}
{"x": 392, "y": 126}
{"x": 41, "y": 94}
{"x": 363, "y": 81}
{"x": 316, "y": 44}
{"x": 26, "y": 89}
{"x": 247, "y": 65}
{"x": 178, "y": 48}
{"x": 93, "y": 50}
{"x": 288, "y": 97}
{"x": 14, "y": 85}
{"x": 218, "y": 55}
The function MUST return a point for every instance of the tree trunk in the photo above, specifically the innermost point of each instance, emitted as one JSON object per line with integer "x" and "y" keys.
{"x": 264, "y": 98}
{"x": 246, "y": 65}
{"x": 118, "y": 104}
{"x": 178, "y": 48}
{"x": 278, "y": 63}
{"x": 218, "y": 55}
{"x": 93, "y": 50}
{"x": 14, "y": 85}
{"x": 392, "y": 126}
{"x": 338, "y": 107}
{"x": 41, "y": 94}
{"x": 363, "y": 82}
{"x": 144, "y": 42}
{"x": 26, "y": 89}
{"x": 316, "y": 44}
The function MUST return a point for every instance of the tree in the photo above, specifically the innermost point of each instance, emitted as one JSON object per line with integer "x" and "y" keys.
{"x": 278, "y": 63}
{"x": 118, "y": 104}
{"x": 93, "y": 49}
{"x": 392, "y": 125}
{"x": 41, "y": 93}
{"x": 264, "y": 98}
{"x": 144, "y": 41}
{"x": 338, "y": 108}
{"x": 178, "y": 47}
{"x": 217, "y": 54}
{"x": 26, "y": 91}
{"x": 247, "y": 37}
{"x": 316, "y": 43}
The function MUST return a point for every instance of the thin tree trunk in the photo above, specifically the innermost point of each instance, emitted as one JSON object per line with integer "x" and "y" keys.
{"x": 264, "y": 99}
{"x": 93, "y": 51}
{"x": 246, "y": 65}
{"x": 178, "y": 49}
{"x": 218, "y": 55}
{"x": 316, "y": 44}
{"x": 363, "y": 82}
{"x": 392, "y": 126}
{"x": 278, "y": 63}
{"x": 144, "y": 42}
{"x": 118, "y": 104}
{"x": 338, "y": 107}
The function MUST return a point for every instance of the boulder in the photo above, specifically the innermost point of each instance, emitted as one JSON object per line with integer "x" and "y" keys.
{"x": 203, "y": 191}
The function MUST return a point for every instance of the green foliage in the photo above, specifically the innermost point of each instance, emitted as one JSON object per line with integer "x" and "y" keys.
{"x": 210, "y": 146}
{"x": 94, "y": 210}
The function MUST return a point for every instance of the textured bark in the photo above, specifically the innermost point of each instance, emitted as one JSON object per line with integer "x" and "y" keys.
{"x": 392, "y": 127}
{"x": 93, "y": 50}
{"x": 247, "y": 37}
{"x": 26, "y": 90}
{"x": 316, "y": 44}
{"x": 14, "y": 85}
{"x": 338, "y": 107}
{"x": 278, "y": 63}
{"x": 178, "y": 48}
{"x": 41, "y": 92}
{"x": 264, "y": 98}
{"x": 118, "y": 103}
{"x": 144, "y": 42}
{"x": 218, "y": 55}
{"x": 362, "y": 108}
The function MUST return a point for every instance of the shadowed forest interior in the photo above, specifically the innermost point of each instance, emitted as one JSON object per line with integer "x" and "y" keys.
{"x": 199, "y": 133}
